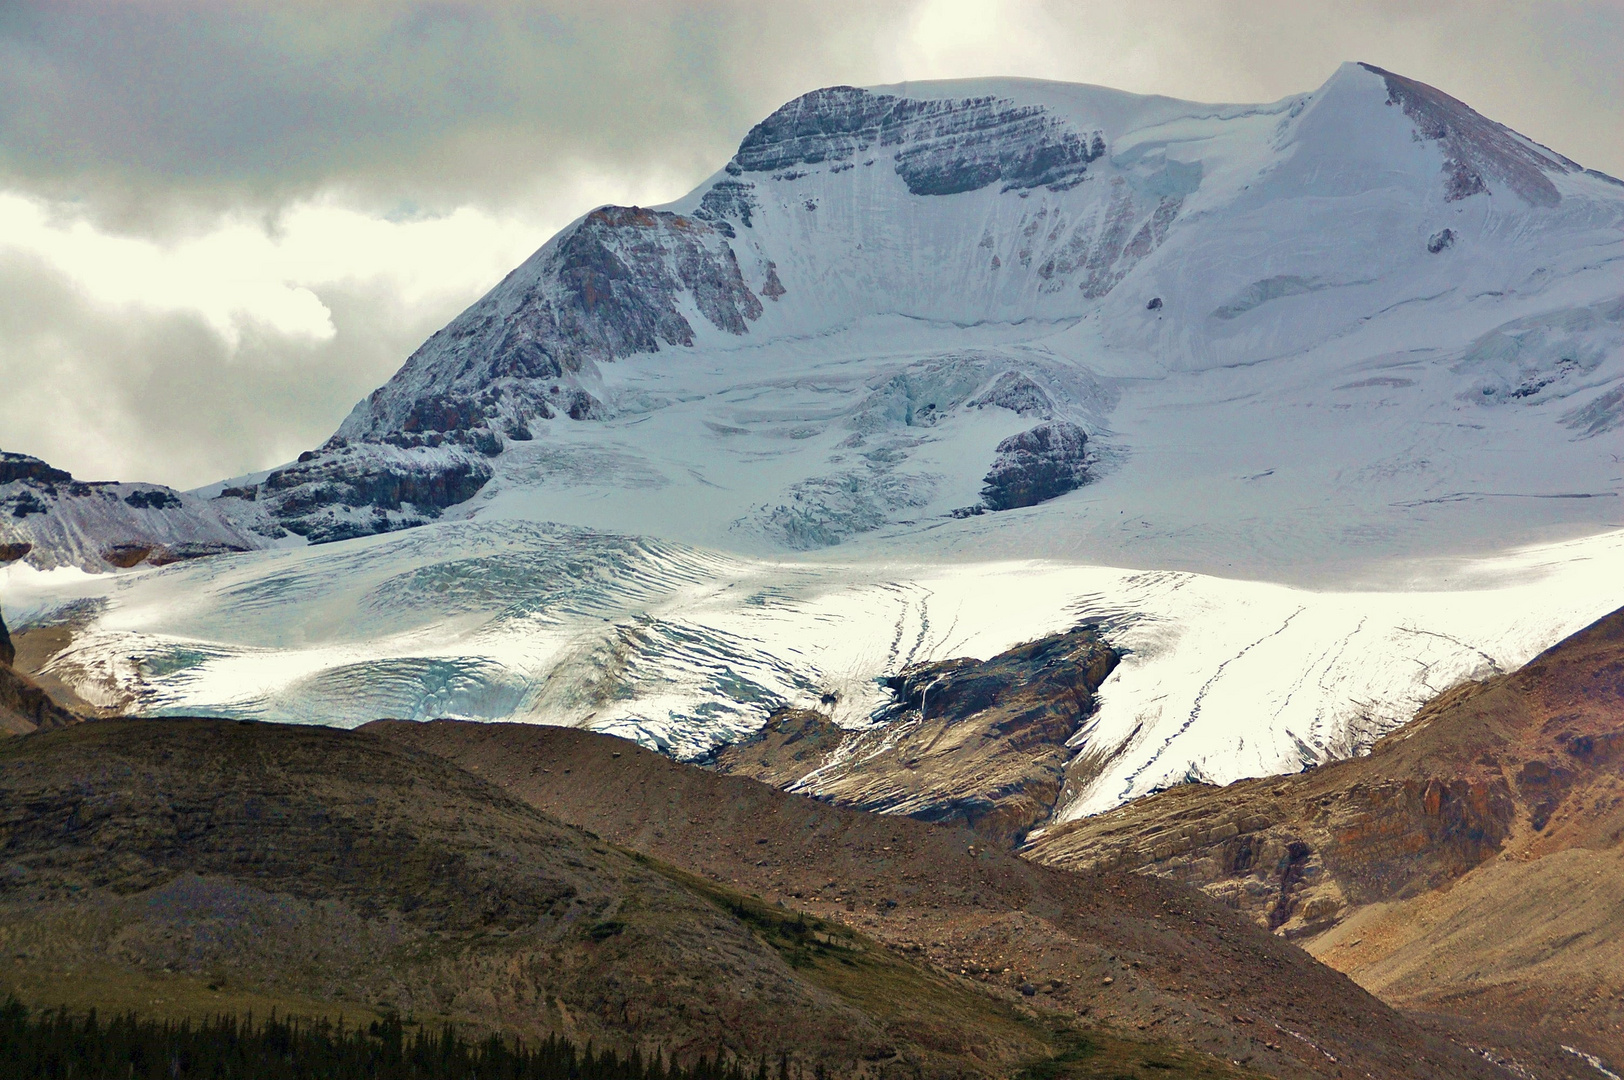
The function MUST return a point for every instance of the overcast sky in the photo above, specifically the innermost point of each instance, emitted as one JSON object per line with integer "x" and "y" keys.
{"x": 222, "y": 223}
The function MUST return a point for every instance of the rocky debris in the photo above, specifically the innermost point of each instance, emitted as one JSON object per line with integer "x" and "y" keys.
{"x": 789, "y": 746}
{"x": 1181, "y": 967}
{"x": 982, "y": 743}
{"x": 942, "y": 147}
{"x": 1441, "y": 240}
{"x": 8, "y": 652}
{"x": 1154, "y": 304}
{"x": 51, "y": 519}
{"x": 125, "y": 556}
{"x": 1488, "y": 778}
{"x": 1037, "y": 465}
{"x": 1018, "y": 393}
{"x": 1476, "y": 149}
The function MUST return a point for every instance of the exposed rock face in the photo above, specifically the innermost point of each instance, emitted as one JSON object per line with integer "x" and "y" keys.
{"x": 938, "y": 147}
{"x": 611, "y": 286}
{"x": 24, "y": 705}
{"x": 1476, "y": 148}
{"x": 14, "y": 467}
{"x": 51, "y": 519}
{"x": 358, "y": 490}
{"x": 608, "y": 287}
{"x": 1018, "y": 393}
{"x": 982, "y": 743}
{"x": 729, "y": 199}
{"x": 1037, "y": 465}
{"x": 1441, "y": 821}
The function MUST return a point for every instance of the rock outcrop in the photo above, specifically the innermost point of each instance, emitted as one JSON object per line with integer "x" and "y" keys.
{"x": 937, "y": 147}
{"x": 358, "y": 490}
{"x": 1036, "y": 466}
{"x": 977, "y": 742}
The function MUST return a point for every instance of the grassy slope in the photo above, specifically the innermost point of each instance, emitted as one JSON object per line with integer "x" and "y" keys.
{"x": 187, "y": 867}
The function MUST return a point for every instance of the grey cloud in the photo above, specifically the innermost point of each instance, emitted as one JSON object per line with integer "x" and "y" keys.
{"x": 447, "y": 103}
{"x": 132, "y": 395}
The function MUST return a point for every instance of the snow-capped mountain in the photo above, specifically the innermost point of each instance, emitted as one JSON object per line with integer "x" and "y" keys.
{"x": 911, "y": 377}
{"x": 1365, "y": 315}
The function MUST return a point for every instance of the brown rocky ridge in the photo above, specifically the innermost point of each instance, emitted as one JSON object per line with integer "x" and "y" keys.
{"x": 1130, "y": 952}
{"x": 1470, "y": 867}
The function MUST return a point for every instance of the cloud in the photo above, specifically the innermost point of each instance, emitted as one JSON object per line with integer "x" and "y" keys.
{"x": 224, "y": 221}
{"x": 242, "y": 341}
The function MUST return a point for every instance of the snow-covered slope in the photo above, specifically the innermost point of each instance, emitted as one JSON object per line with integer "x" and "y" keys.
{"x": 50, "y": 519}
{"x": 928, "y": 370}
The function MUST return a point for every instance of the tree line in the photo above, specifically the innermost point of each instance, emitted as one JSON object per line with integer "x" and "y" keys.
{"x": 59, "y": 1045}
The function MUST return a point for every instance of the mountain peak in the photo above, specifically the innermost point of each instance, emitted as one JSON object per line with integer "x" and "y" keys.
{"x": 1477, "y": 151}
